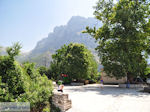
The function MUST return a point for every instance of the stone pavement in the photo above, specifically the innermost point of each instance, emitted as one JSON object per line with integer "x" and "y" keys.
{"x": 91, "y": 98}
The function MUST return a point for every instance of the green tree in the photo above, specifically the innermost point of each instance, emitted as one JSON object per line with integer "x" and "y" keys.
{"x": 23, "y": 83}
{"x": 75, "y": 60}
{"x": 11, "y": 74}
{"x": 124, "y": 38}
{"x": 14, "y": 50}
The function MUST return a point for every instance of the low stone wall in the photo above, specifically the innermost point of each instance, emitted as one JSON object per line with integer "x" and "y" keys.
{"x": 112, "y": 80}
{"x": 61, "y": 101}
{"x": 133, "y": 85}
{"x": 77, "y": 84}
{"x": 147, "y": 89}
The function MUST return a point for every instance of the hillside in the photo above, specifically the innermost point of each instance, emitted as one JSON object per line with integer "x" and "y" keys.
{"x": 71, "y": 32}
{"x": 66, "y": 34}
{"x": 2, "y": 50}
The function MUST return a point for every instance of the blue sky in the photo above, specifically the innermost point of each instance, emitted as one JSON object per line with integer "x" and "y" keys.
{"x": 28, "y": 21}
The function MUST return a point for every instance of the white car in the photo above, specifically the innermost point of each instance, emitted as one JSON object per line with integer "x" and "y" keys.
{"x": 148, "y": 80}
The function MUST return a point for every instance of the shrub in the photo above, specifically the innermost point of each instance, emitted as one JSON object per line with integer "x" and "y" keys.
{"x": 42, "y": 70}
{"x": 23, "y": 83}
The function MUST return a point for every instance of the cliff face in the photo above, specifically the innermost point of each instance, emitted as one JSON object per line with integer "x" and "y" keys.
{"x": 66, "y": 34}
{"x": 71, "y": 32}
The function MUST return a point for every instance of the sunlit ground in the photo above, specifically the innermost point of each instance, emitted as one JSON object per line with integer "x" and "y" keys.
{"x": 91, "y": 98}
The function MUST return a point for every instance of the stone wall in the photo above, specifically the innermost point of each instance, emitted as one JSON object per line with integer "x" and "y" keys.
{"x": 133, "y": 85}
{"x": 77, "y": 84}
{"x": 109, "y": 80}
{"x": 147, "y": 89}
{"x": 61, "y": 101}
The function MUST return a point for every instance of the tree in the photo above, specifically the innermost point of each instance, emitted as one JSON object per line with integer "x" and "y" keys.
{"x": 11, "y": 73}
{"x": 14, "y": 50}
{"x": 23, "y": 83}
{"x": 75, "y": 60}
{"x": 124, "y": 38}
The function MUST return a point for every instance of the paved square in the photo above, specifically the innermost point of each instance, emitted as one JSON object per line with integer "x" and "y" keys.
{"x": 91, "y": 98}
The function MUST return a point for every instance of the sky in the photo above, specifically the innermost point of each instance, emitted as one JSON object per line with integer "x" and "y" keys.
{"x": 28, "y": 21}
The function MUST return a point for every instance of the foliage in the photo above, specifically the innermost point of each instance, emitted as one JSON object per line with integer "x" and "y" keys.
{"x": 146, "y": 74}
{"x": 14, "y": 50}
{"x": 75, "y": 60}
{"x": 147, "y": 71}
{"x": 40, "y": 91}
{"x": 23, "y": 83}
{"x": 124, "y": 37}
{"x": 47, "y": 109}
{"x": 13, "y": 78}
{"x": 59, "y": 82}
{"x": 39, "y": 59}
{"x": 42, "y": 70}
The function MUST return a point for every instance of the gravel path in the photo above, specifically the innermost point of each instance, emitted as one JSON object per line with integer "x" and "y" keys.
{"x": 91, "y": 98}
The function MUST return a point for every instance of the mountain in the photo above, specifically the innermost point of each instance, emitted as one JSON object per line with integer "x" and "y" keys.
{"x": 21, "y": 57}
{"x": 66, "y": 34}
{"x": 71, "y": 32}
{"x": 2, "y": 50}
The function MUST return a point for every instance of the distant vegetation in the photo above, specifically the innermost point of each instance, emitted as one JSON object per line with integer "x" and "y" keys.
{"x": 43, "y": 59}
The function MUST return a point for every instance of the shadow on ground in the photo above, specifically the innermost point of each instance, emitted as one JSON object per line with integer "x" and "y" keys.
{"x": 107, "y": 90}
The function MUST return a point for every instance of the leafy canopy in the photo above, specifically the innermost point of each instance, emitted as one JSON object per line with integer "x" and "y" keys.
{"x": 75, "y": 60}
{"x": 124, "y": 38}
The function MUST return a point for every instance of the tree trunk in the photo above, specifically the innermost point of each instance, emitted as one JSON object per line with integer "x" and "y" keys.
{"x": 130, "y": 77}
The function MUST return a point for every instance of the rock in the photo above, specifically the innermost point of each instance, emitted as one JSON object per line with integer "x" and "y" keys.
{"x": 61, "y": 101}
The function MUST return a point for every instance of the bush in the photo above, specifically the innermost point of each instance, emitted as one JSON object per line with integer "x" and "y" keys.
{"x": 23, "y": 83}
{"x": 40, "y": 89}
{"x": 43, "y": 70}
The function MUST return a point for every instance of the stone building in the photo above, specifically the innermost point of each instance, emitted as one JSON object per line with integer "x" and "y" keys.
{"x": 111, "y": 80}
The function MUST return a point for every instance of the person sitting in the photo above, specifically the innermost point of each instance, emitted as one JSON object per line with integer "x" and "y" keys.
{"x": 60, "y": 88}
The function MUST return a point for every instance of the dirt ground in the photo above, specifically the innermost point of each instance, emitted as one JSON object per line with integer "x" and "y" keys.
{"x": 91, "y": 98}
